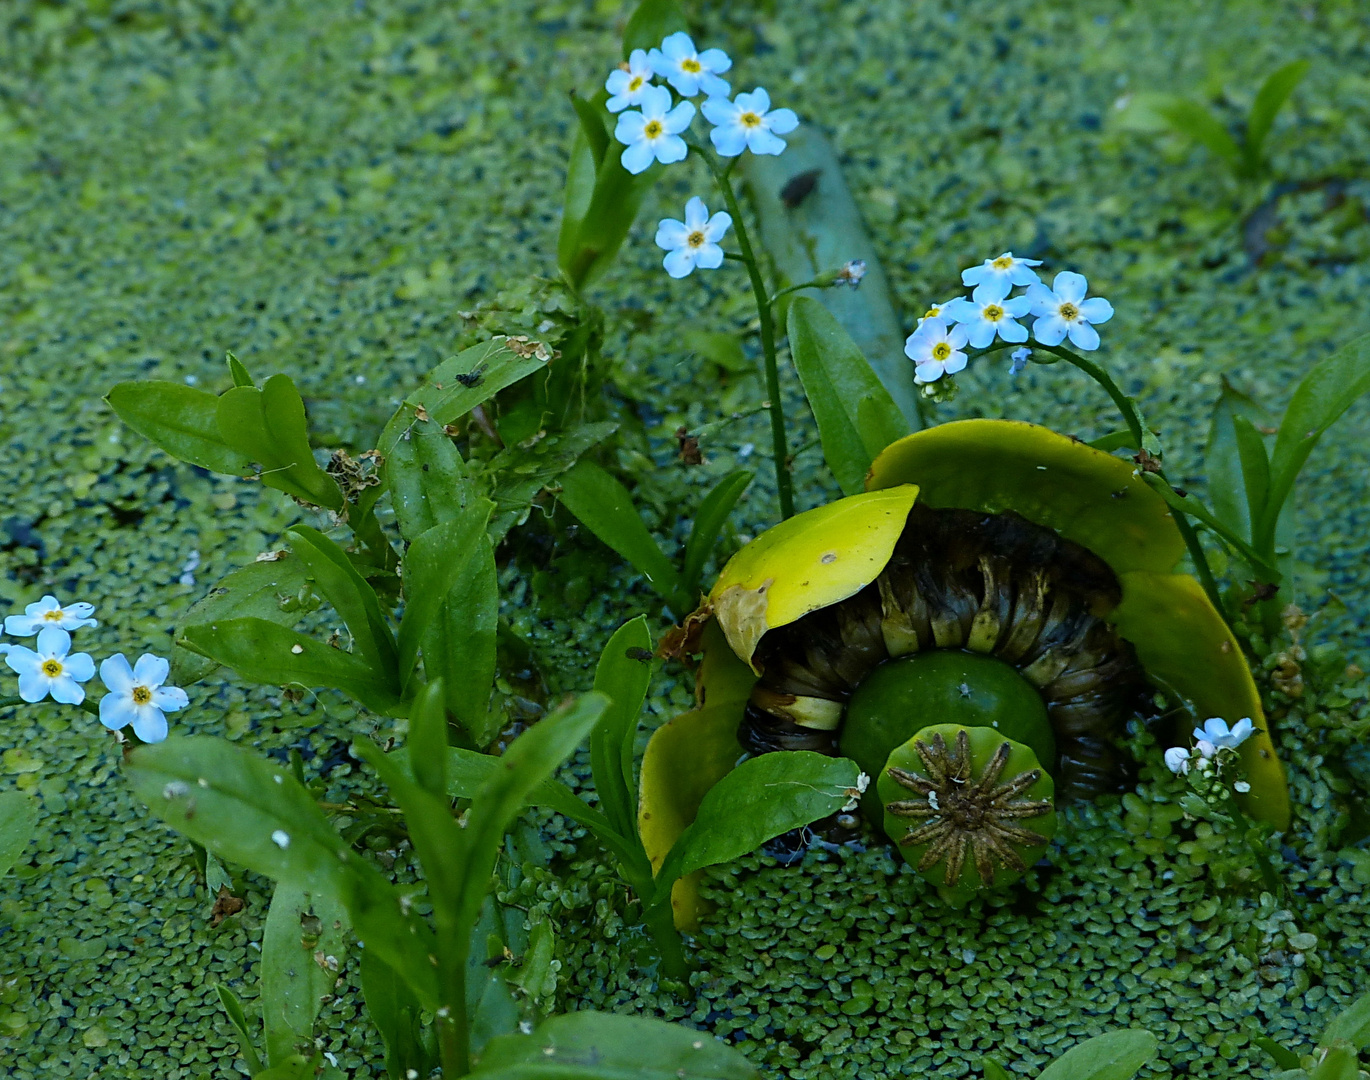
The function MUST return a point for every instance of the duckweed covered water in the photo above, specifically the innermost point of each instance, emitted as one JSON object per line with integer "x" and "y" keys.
{"x": 325, "y": 189}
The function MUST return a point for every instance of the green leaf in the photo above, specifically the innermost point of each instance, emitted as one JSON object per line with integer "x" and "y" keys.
{"x": 1338, "y": 1062}
{"x": 1193, "y": 121}
{"x": 268, "y": 426}
{"x": 251, "y": 812}
{"x": 295, "y": 1067}
{"x": 1117, "y": 1055}
{"x": 1190, "y": 504}
{"x": 246, "y": 1042}
{"x": 1114, "y": 440}
{"x": 1255, "y": 465}
{"x": 351, "y": 597}
{"x": 522, "y": 473}
{"x": 592, "y": 117}
{"x": 1351, "y": 1025}
{"x": 488, "y": 368}
{"x": 820, "y": 232}
{"x": 598, "y": 1046}
{"x": 1284, "y": 1058}
{"x": 651, "y": 22}
{"x": 304, "y": 943}
{"x": 623, "y": 675}
{"x": 605, "y": 507}
{"x": 856, "y": 416}
{"x": 536, "y": 974}
{"x": 1326, "y": 392}
{"x": 264, "y": 590}
{"x": 434, "y": 565}
{"x": 760, "y": 799}
{"x": 1227, "y": 488}
{"x": 395, "y": 1011}
{"x": 181, "y": 420}
{"x": 428, "y": 739}
{"x": 460, "y": 645}
{"x": 993, "y": 1070}
{"x": 1270, "y": 99}
{"x": 238, "y": 372}
{"x": 263, "y": 652}
{"x": 18, "y": 822}
{"x": 582, "y": 167}
{"x": 709, "y": 520}
{"x": 424, "y": 473}
{"x": 490, "y": 1006}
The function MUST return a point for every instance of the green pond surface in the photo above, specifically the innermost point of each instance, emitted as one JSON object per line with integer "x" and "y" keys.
{"x": 325, "y": 188}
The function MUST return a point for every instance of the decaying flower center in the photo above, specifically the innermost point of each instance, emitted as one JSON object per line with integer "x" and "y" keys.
{"x": 1069, "y": 311}
{"x": 992, "y": 584}
{"x": 52, "y": 668}
{"x": 964, "y": 814}
{"x": 141, "y": 695}
{"x": 652, "y": 129}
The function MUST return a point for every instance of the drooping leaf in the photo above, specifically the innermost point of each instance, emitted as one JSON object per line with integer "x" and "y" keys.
{"x": 251, "y": 812}
{"x": 263, "y": 652}
{"x": 856, "y": 416}
{"x": 1327, "y": 391}
{"x": 304, "y": 944}
{"x": 1270, "y": 99}
{"x": 181, "y": 420}
{"x": 521, "y": 473}
{"x": 597, "y": 1046}
{"x": 461, "y": 382}
{"x": 247, "y": 1042}
{"x": 268, "y": 427}
{"x": 1193, "y": 121}
{"x": 1117, "y": 1055}
{"x": 425, "y": 474}
{"x": 393, "y": 1008}
{"x": 1352, "y": 1024}
{"x": 352, "y": 598}
{"x": 605, "y": 507}
{"x": 18, "y": 821}
{"x": 709, "y": 520}
{"x": 265, "y": 590}
{"x": 650, "y": 23}
{"x": 623, "y": 675}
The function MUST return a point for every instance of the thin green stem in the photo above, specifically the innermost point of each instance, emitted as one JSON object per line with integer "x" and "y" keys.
{"x": 1200, "y": 559}
{"x": 783, "y": 483}
{"x": 814, "y": 284}
{"x": 1269, "y": 878}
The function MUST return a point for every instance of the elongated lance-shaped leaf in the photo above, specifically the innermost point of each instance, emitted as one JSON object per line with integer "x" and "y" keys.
{"x": 1283, "y": 1057}
{"x": 857, "y": 417}
{"x": 247, "y": 1040}
{"x": 623, "y": 675}
{"x": 428, "y": 739}
{"x": 1255, "y": 465}
{"x": 461, "y": 382}
{"x": 1270, "y": 99}
{"x": 809, "y": 223}
{"x": 605, "y": 507}
{"x": 709, "y": 520}
{"x": 238, "y": 371}
{"x": 304, "y": 944}
{"x": 1352, "y": 1025}
{"x": 249, "y": 811}
{"x": 18, "y": 821}
{"x": 522, "y": 473}
{"x": 263, "y": 652}
{"x": 424, "y": 473}
{"x": 599, "y": 1046}
{"x": 396, "y": 1012}
{"x": 1117, "y": 1055}
{"x": 1193, "y": 121}
{"x": 993, "y": 1070}
{"x": 1327, "y": 391}
{"x": 1227, "y": 486}
{"x": 460, "y": 647}
{"x": 181, "y": 420}
{"x": 268, "y": 426}
{"x": 1190, "y": 504}
{"x": 352, "y": 598}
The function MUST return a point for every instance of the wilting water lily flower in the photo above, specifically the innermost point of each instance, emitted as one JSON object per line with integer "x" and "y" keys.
{"x": 137, "y": 695}
{"x": 654, "y": 133}
{"x": 48, "y": 669}
{"x": 747, "y": 123}
{"x": 625, "y": 84}
{"x": 48, "y": 612}
{"x": 1006, "y": 270}
{"x": 1063, "y": 310}
{"x": 687, "y": 70}
{"x": 694, "y": 241}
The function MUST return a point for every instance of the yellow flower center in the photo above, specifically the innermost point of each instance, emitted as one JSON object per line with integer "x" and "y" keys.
{"x": 1003, "y": 262}
{"x": 52, "y": 668}
{"x": 141, "y": 695}
{"x": 635, "y": 84}
{"x": 750, "y": 119}
{"x": 941, "y": 351}
{"x": 695, "y": 239}
{"x": 932, "y": 313}
{"x": 993, "y": 312}
{"x": 653, "y": 129}
{"x": 55, "y": 615}
{"x": 691, "y": 65}
{"x": 1069, "y": 311}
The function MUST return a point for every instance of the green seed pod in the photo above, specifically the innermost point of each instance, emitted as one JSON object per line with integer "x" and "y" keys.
{"x": 969, "y": 808}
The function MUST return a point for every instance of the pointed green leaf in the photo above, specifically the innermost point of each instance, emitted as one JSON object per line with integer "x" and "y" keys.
{"x": 1284, "y": 1058}
{"x": 18, "y": 821}
{"x": 461, "y": 382}
{"x": 605, "y": 507}
{"x": 182, "y": 421}
{"x": 304, "y": 944}
{"x": 709, "y": 520}
{"x": 1270, "y": 99}
{"x": 1336, "y": 1062}
{"x": 522, "y": 473}
{"x": 238, "y": 371}
{"x": 1193, "y": 121}
{"x": 592, "y": 117}
{"x": 395, "y": 1011}
{"x": 1255, "y": 465}
{"x": 624, "y": 675}
{"x": 993, "y": 1070}
{"x": 1118, "y": 1055}
{"x": 1351, "y": 1025}
{"x": 490, "y": 1006}
{"x": 425, "y": 474}
{"x": 460, "y": 643}
{"x": 247, "y": 1045}
{"x": 1226, "y": 485}
{"x": 856, "y": 416}
{"x": 268, "y": 427}
{"x": 428, "y": 739}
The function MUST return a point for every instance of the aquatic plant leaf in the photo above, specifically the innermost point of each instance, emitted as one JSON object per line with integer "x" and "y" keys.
{"x": 427, "y": 745}
{"x": 351, "y": 596}
{"x": 295, "y": 1067}
{"x": 424, "y": 472}
{"x": 1227, "y": 486}
{"x": 856, "y": 416}
{"x": 1117, "y": 1055}
{"x": 1194, "y": 121}
{"x": 237, "y": 370}
{"x": 605, "y": 507}
{"x": 1352, "y": 1025}
{"x": 709, "y": 520}
{"x": 181, "y": 420}
{"x": 650, "y": 23}
{"x": 396, "y": 1012}
{"x": 18, "y": 822}
{"x": 1284, "y": 1058}
{"x": 266, "y": 590}
{"x": 1328, "y": 390}
{"x": 1270, "y": 99}
{"x": 624, "y": 674}
{"x": 304, "y": 944}
{"x": 249, "y": 811}
{"x": 993, "y": 1070}
{"x": 264, "y": 652}
{"x": 268, "y": 427}
{"x": 589, "y": 1045}
{"x": 521, "y": 473}
{"x": 1338, "y": 1062}
{"x": 461, "y": 382}
{"x": 247, "y": 1043}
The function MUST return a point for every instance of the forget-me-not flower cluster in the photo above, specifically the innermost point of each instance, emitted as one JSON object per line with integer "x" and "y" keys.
{"x": 992, "y": 312}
